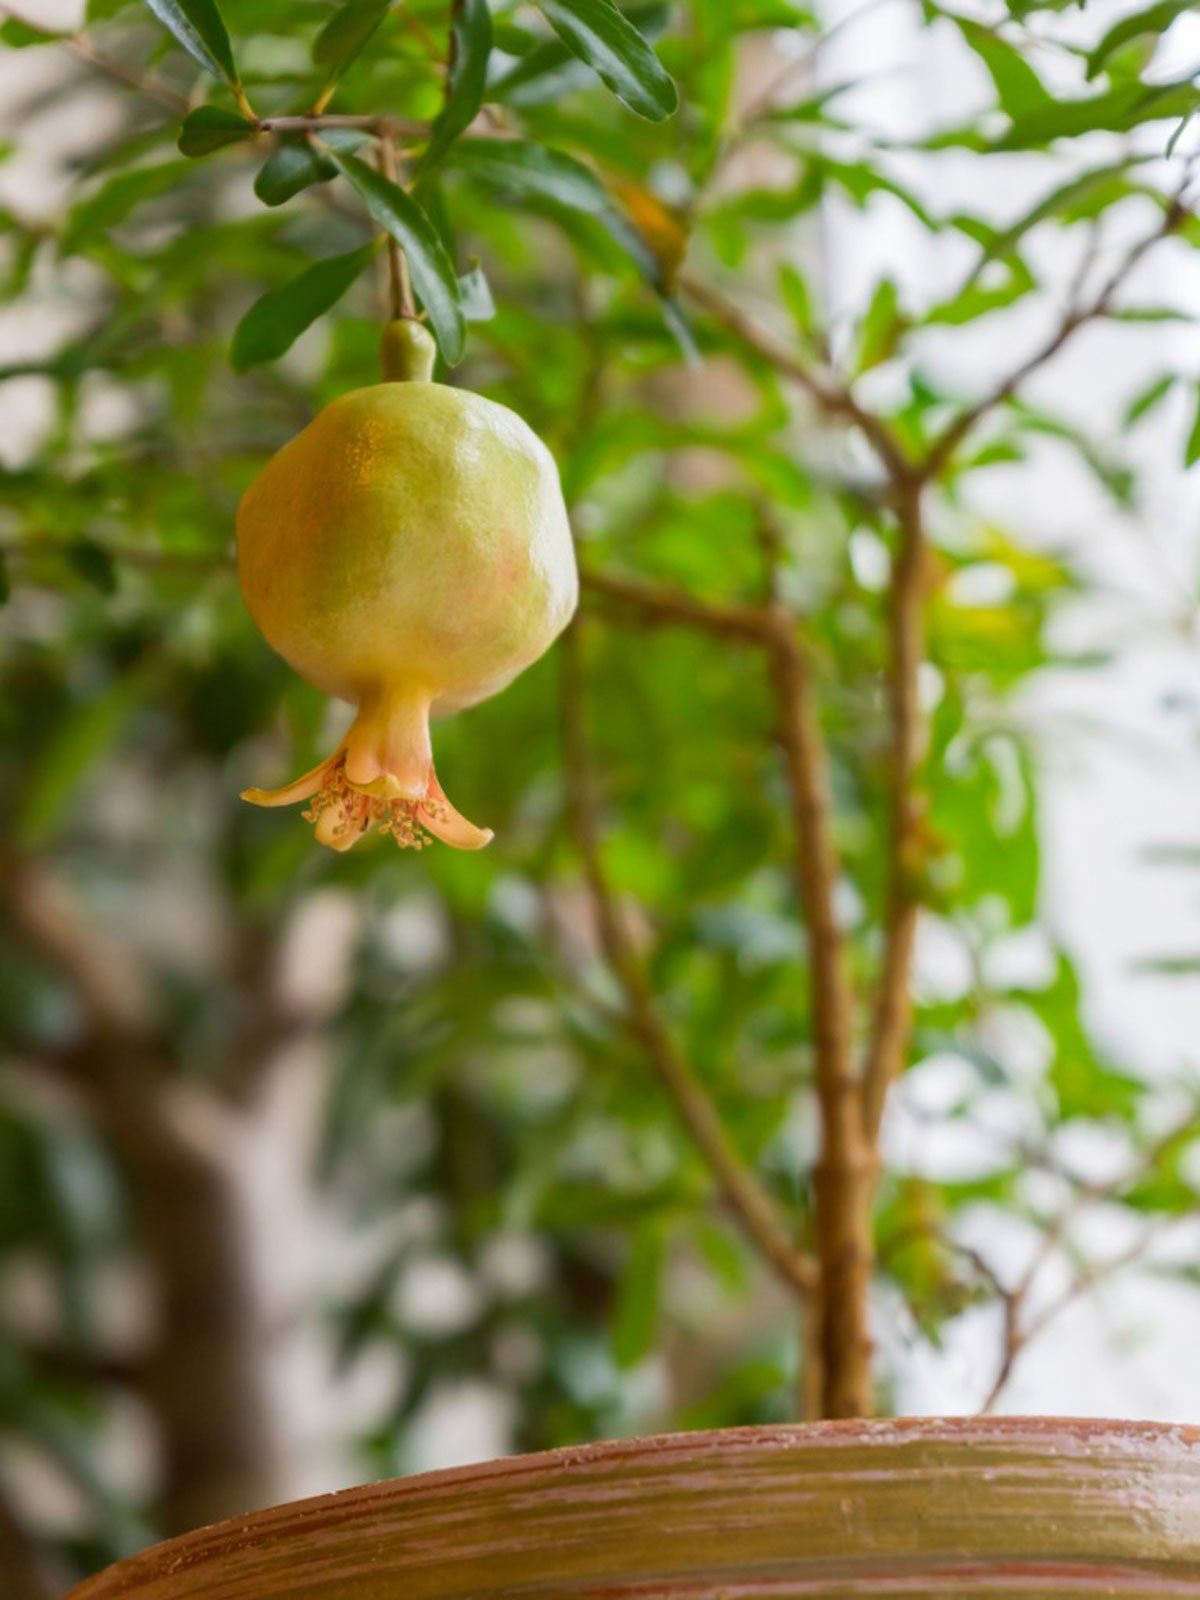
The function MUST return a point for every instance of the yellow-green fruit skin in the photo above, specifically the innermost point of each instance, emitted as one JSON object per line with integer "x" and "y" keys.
{"x": 412, "y": 535}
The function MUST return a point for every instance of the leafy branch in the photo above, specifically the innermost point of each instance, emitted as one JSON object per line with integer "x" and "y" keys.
{"x": 748, "y": 1201}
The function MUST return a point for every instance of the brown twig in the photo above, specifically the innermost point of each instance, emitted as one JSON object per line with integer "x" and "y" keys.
{"x": 1076, "y": 317}
{"x": 1018, "y": 1334}
{"x": 402, "y": 303}
{"x": 1018, "y": 1337}
{"x": 846, "y": 1168}
{"x": 314, "y": 121}
{"x": 82, "y": 46}
{"x": 749, "y": 1202}
{"x": 831, "y": 396}
{"x": 658, "y": 603}
{"x": 888, "y": 1037}
{"x": 1092, "y": 1194}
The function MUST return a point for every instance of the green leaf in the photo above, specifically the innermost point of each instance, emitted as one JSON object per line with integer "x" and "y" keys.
{"x": 94, "y": 564}
{"x": 429, "y": 266}
{"x": 197, "y": 26}
{"x": 881, "y": 327}
{"x": 297, "y": 164}
{"x": 547, "y": 69}
{"x": 112, "y": 203}
{"x": 1154, "y": 20}
{"x": 793, "y": 287}
{"x": 1116, "y": 111}
{"x": 18, "y": 35}
{"x": 466, "y": 80}
{"x": 607, "y": 41}
{"x": 274, "y": 323}
{"x": 975, "y": 300}
{"x": 347, "y": 32}
{"x": 210, "y": 128}
{"x": 1148, "y": 398}
{"x": 635, "y": 1316}
{"x": 1018, "y": 87}
{"x": 532, "y": 169}
{"x": 1191, "y": 453}
{"x": 1077, "y": 199}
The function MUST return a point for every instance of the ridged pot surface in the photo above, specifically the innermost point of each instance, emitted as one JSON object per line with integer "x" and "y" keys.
{"x": 969, "y": 1508}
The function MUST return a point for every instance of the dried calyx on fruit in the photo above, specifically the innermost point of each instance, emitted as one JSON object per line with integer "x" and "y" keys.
{"x": 409, "y": 552}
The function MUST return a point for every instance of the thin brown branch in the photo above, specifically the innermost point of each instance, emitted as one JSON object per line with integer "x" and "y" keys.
{"x": 1018, "y": 1336}
{"x": 402, "y": 303}
{"x": 314, "y": 121}
{"x": 1078, "y": 315}
{"x": 846, "y": 1168}
{"x": 828, "y": 393}
{"x": 1018, "y": 1333}
{"x": 662, "y": 604}
{"x": 1092, "y": 1194}
{"x": 846, "y": 1171}
{"x": 82, "y": 46}
{"x": 888, "y": 1038}
{"x": 749, "y": 1202}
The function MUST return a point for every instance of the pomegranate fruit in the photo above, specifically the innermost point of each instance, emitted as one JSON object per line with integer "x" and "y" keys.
{"x": 408, "y": 552}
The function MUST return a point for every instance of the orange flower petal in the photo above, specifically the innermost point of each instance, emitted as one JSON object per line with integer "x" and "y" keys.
{"x": 298, "y": 789}
{"x": 438, "y": 817}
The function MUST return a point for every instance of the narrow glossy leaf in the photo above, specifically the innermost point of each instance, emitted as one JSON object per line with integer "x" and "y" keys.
{"x": 1147, "y": 399}
{"x": 1116, "y": 111}
{"x": 976, "y": 299}
{"x": 607, "y": 41}
{"x": 532, "y": 169}
{"x": 1074, "y": 199}
{"x": 549, "y": 69}
{"x": 210, "y": 128}
{"x": 793, "y": 287}
{"x": 466, "y": 80}
{"x": 429, "y": 266}
{"x": 274, "y": 323}
{"x": 881, "y": 327}
{"x": 513, "y": 40}
{"x": 476, "y": 295}
{"x": 19, "y": 35}
{"x": 346, "y": 33}
{"x": 297, "y": 164}
{"x": 1018, "y": 87}
{"x": 1154, "y": 20}
{"x": 1191, "y": 453}
{"x": 197, "y": 26}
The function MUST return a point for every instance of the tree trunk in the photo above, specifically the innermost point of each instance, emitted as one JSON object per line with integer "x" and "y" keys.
{"x": 19, "y": 1570}
{"x": 207, "y": 1376}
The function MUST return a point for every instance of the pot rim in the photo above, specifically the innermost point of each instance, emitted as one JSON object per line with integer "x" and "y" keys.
{"x": 1123, "y": 1460}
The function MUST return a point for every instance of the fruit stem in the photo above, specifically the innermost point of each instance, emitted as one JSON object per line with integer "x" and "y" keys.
{"x": 403, "y": 304}
{"x": 407, "y": 352}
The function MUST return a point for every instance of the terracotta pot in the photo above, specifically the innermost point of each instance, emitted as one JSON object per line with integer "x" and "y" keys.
{"x": 965, "y": 1508}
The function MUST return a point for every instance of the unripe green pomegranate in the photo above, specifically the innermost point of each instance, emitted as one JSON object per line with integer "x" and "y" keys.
{"x": 409, "y": 552}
